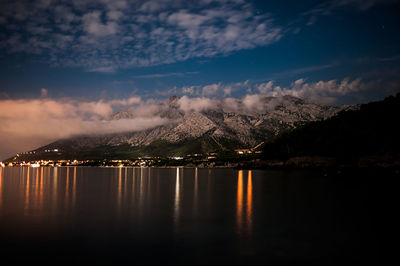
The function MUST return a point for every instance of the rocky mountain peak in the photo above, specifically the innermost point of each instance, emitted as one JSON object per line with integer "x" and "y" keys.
{"x": 225, "y": 126}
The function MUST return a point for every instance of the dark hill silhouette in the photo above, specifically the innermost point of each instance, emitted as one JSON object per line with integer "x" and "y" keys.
{"x": 370, "y": 133}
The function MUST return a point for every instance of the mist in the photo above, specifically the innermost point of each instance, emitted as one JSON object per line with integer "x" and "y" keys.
{"x": 28, "y": 124}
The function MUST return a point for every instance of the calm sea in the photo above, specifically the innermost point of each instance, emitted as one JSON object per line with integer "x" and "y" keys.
{"x": 176, "y": 216}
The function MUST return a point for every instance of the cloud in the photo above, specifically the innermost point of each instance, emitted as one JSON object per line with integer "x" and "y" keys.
{"x": 253, "y": 102}
{"x": 196, "y": 104}
{"x": 93, "y": 25}
{"x": 188, "y": 20}
{"x": 188, "y": 90}
{"x": 321, "y": 91}
{"x": 213, "y": 90}
{"x": 264, "y": 88}
{"x": 164, "y": 75}
{"x": 28, "y": 123}
{"x": 389, "y": 59}
{"x": 328, "y": 7}
{"x": 104, "y": 69}
{"x": 125, "y": 102}
{"x": 43, "y": 93}
{"x": 105, "y": 35}
{"x": 210, "y": 90}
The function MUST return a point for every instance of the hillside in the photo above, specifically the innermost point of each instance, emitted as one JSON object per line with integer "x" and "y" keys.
{"x": 214, "y": 129}
{"x": 365, "y": 137}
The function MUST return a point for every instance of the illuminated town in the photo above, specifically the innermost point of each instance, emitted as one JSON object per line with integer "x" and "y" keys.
{"x": 190, "y": 160}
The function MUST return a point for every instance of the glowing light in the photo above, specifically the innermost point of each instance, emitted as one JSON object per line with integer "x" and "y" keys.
{"x": 74, "y": 188}
{"x": 1, "y": 187}
{"x": 195, "y": 192}
{"x": 239, "y": 212}
{"x": 27, "y": 194}
{"x": 55, "y": 181}
{"x": 249, "y": 205}
{"x": 67, "y": 189}
{"x": 177, "y": 198}
{"x": 41, "y": 189}
{"x": 119, "y": 189}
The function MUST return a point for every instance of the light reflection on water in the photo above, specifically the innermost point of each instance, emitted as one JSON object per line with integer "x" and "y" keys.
{"x": 1, "y": 186}
{"x": 195, "y": 193}
{"x": 177, "y": 199}
{"x": 51, "y": 191}
{"x": 244, "y": 220}
{"x": 119, "y": 190}
{"x": 204, "y": 213}
{"x": 239, "y": 214}
{"x": 249, "y": 206}
{"x": 27, "y": 188}
{"x": 74, "y": 188}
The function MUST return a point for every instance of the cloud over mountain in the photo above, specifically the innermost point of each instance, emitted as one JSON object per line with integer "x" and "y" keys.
{"x": 26, "y": 123}
{"x": 29, "y": 123}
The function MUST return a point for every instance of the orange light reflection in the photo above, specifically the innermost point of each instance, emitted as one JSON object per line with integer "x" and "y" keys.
{"x": 239, "y": 212}
{"x": 27, "y": 193}
{"x": 119, "y": 193}
{"x": 74, "y": 188}
{"x": 1, "y": 186}
{"x": 41, "y": 189}
{"x": 242, "y": 207}
{"x": 249, "y": 205}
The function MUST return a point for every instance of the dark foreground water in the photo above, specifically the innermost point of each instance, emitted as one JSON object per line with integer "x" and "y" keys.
{"x": 175, "y": 216}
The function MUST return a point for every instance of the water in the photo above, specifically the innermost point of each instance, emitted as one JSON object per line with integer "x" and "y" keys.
{"x": 195, "y": 216}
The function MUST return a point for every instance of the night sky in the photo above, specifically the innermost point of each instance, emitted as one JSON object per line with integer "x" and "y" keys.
{"x": 80, "y": 60}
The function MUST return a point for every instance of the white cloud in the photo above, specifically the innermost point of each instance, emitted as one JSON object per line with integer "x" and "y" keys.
{"x": 106, "y": 35}
{"x": 28, "y": 123}
{"x": 125, "y": 102}
{"x": 93, "y": 25}
{"x": 196, "y": 104}
{"x": 253, "y": 102}
{"x": 213, "y": 90}
{"x": 188, "y": 20}
{"x": 188, "y": 90}
{"x": 210, "y": 90}
{"x": 264, "y": 88}
{"x": 164, "y": 75}
{"x": 320, "y": 91}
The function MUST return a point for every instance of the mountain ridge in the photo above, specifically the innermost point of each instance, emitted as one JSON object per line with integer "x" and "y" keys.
{"x": 223, "y": 126}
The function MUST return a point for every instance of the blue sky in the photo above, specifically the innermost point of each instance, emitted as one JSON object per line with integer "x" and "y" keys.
{"x": 114, "y": 49}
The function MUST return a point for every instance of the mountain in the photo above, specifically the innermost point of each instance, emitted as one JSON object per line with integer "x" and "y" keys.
{"x": 368, "y": 136}
{"x": 224, "y": 125}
